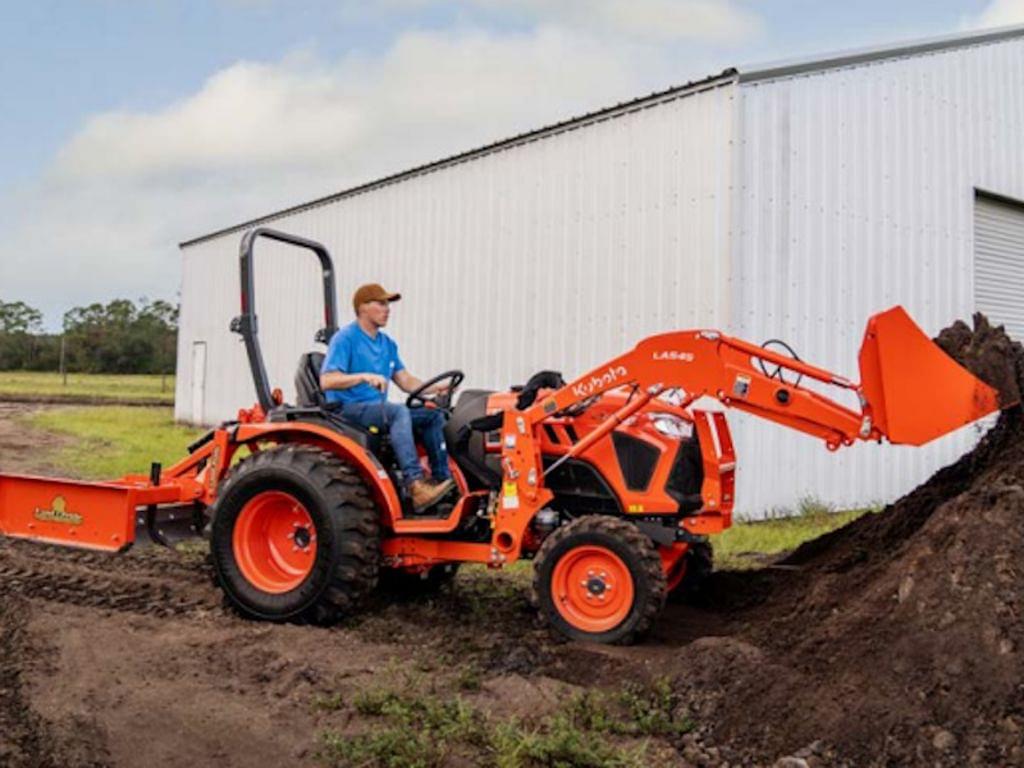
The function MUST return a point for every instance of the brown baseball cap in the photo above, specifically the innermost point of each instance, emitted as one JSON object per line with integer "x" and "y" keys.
{"x": 372, "y": 292}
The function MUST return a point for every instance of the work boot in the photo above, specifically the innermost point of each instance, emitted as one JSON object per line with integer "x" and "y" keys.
{"x": 424, "y": 495}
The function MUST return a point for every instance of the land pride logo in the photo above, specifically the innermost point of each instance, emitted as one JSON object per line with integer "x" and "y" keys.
{"x": 58, "y": 513}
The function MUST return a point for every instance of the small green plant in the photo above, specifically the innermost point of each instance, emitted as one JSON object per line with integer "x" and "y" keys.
{"x": 394, "y": 747}
{"x": 809, "y": 506}
{"x": 590, "y": 711}
{"x": 561, "y": 743}
{"x": 423, "y": 731}
{"x": 374, "y": 702}
{"x": 445, "y": 717}
{"x": 328, "y": 702}
{"x": 638, "y": 710}
{"x": 651, "y": 710}
{"x": 469, "y": 679}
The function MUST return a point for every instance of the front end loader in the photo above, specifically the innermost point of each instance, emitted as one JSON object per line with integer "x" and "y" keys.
{"x": 611, "y": 483}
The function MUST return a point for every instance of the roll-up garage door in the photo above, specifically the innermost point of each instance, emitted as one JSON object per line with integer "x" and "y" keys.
{"x": 999, "y": 262}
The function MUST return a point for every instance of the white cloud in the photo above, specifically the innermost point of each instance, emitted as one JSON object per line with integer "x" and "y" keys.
{"x": 658, "y": 20}
{"x": 719, "y": 21}
{"x": 1000, "y": 13}
{"x": 247, "y": 114}
{"x": 105, "y": 219}
{"x": 428, "y": 94}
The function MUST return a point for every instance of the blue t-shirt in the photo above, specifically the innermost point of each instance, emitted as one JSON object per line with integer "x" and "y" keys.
{"x": 352, "y": 351}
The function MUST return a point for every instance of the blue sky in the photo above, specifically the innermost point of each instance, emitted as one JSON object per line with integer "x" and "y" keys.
{"x": 130, "y": 126}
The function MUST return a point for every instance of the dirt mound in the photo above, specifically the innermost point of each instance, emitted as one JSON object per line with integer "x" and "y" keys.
{"x": 988, "y": 353}
{"x": 899, "y": 639}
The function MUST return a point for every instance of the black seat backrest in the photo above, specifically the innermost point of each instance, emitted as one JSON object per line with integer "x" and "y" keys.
{"x": 308, "y": 393}
{"x": 466, "y": 445}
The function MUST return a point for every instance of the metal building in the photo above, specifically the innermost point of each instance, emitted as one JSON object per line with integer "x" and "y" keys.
{"x": 789, "y": 201}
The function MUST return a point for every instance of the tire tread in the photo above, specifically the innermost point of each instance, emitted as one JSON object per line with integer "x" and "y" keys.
{"x": 639, "y": 544}
{"x": 354, "y": 517}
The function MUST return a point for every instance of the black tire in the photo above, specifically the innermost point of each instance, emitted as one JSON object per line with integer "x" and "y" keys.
{"x": 636, "y": 552}
{"x": 405, "y": 584}
{"x": 345, "y": 521}
{"x": 700, "y": 563}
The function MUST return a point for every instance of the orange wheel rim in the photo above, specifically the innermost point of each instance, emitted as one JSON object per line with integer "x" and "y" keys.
{"x": 592, "y": 588}
{"x": 274, "y": 542}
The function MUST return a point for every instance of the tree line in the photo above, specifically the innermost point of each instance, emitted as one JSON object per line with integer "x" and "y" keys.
{"x": 121, "y": 336}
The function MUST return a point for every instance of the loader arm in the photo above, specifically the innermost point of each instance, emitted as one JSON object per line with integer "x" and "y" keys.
{"x": 709, "y": 363}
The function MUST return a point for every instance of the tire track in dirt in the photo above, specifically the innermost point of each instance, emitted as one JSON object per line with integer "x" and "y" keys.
{"x": 23, "y": 741}
{"x": 146, "y": 583}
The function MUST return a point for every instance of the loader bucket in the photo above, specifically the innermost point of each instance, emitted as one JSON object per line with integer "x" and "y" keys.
{"x": 916, "y": 391}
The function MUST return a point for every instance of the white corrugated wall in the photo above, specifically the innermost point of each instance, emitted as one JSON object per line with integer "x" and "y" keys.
{"x": 857, "y": 193}
{"x": 558, "y": 253}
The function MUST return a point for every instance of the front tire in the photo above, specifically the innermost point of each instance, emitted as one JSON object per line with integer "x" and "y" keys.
{"x": 599, "y": 579}
{"x": 295, "y": 536}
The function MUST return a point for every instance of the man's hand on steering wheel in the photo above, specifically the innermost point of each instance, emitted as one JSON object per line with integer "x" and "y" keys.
{"x": 442, "y": 396}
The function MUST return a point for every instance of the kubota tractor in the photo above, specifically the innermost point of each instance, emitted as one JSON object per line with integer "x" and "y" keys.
{"x": 610, "y": 483}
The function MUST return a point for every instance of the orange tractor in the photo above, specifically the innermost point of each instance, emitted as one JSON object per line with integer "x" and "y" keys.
{"x": 611, "y": 483}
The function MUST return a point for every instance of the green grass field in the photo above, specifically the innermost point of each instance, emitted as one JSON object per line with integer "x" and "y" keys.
{"x": 41, "y": 385}
{"x": 111, "y": 441}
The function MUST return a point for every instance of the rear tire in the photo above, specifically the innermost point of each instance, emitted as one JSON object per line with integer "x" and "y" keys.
{"x": 295, "y": 536}
{"x": 599, "y": 579}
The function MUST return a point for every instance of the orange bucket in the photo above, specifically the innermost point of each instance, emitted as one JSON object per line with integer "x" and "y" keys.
{"x": 915, "y": 390}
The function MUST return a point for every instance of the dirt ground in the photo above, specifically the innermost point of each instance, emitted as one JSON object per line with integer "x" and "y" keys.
{"x": 896, "y": 641}
{"x": 133, "y": 661}
{"x": 24, "y": 450}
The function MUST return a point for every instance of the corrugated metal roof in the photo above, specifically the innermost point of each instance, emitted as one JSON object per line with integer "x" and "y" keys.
{"x": 744, "y": 75}
{"x": 607, "y": 113}
{"x": 849, "y": 58}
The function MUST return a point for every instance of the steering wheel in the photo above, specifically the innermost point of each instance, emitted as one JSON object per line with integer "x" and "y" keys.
{"x": 443, "y": 402}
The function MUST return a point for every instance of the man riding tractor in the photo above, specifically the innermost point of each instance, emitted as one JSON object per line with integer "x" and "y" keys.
{"x": 361, "y": 360}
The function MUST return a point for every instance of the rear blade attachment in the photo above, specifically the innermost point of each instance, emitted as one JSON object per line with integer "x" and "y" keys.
{"x": 916, "y": 391}
{"x": 68, "y": 512}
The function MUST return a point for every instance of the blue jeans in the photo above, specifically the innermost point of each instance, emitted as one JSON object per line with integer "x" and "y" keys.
{"x": 402, "y": 425}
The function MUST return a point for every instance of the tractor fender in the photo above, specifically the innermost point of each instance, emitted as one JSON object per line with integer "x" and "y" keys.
{"x": 364, "y": 462}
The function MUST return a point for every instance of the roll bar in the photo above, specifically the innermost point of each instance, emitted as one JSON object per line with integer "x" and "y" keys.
{"x": 246, "y": 325}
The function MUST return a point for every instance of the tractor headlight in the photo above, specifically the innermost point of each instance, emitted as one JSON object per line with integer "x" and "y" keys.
{"x": 671, "y": 425}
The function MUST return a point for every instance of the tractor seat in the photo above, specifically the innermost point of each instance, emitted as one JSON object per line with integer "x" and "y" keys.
{"x": 310, "y": 396}
{"x": 466, "y": 445}
{"x": 308, "y": 393}
{"x": 466, "y": 430}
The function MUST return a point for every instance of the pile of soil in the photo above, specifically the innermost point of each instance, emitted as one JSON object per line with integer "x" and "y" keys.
{"x": 988, "y": 353}
{"x": 899, "y": 639}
